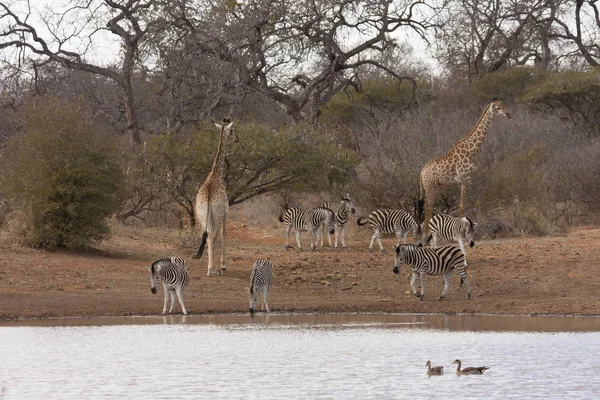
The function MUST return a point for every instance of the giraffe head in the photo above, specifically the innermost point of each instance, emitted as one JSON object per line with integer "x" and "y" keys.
{"x": 227, "y": 129}
{"x": 499, "y": 109}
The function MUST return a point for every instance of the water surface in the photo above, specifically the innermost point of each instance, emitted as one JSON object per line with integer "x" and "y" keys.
{"x": 298, "y": 357}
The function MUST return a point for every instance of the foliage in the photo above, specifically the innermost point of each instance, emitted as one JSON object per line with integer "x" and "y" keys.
{"x": 296, "y": 158}
{"x": 573, "y": 95}
{"x": 507, "y": 85}
{"x": 62, "y": 175}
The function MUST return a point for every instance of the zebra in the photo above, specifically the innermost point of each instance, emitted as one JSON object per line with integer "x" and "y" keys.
{"x": 448, "y": 229}
{"x": 428, "y": 261}
{"x": 342, "y": 215}
{"x": 260, "y": 281}
{"x": 310, "y": 221}
{"x": 173, "y": 274}
{"x": 391, "y": 221}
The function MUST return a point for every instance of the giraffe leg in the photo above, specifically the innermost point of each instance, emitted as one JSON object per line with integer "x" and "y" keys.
{"x": 223, "y": 237}
{"x": 211, "y": 250}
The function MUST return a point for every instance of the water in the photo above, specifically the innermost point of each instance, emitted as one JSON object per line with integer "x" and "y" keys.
{"x": 298, "y": 357}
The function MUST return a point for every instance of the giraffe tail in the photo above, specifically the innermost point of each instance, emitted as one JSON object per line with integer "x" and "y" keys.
{"x": 202, "y": 245}
{"x": 420, "y": 202}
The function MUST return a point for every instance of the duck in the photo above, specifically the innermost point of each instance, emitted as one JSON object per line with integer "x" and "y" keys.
{"x": 469, "y": 370}
{"x": 434, "y": 370}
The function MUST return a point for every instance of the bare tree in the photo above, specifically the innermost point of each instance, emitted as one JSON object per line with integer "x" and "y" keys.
{"x": 296, "y": 53}
{"x": 67, "y": 39}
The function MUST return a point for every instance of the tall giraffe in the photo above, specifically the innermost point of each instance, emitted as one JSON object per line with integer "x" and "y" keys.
{"x": 212, "y": 204}
{"x": 457, "y": 167}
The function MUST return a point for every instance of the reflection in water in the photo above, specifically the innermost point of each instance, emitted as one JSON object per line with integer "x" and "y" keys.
{"x": 298, "y": 357}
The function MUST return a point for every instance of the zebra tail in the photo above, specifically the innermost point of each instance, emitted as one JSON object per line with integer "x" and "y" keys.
{"x": 358, "y": 221}
{"x": 461, "y": 281}
{"x": 202, "y": 245}
{"x": 281, "y": 217}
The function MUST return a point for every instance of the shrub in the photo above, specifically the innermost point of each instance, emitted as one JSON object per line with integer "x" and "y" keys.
{"x": 62, "y": 174}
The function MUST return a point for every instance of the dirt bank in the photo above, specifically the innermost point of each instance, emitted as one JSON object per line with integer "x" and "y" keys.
{"x": 548, "y": 275}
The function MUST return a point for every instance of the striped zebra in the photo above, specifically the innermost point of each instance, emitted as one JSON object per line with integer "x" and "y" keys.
{"x": 391, "y": 221}
{"x": 428, "y": 261}
{"x": 342, "y": 215}
{"x": 445, "y": 228}
{"x": 260, "y": 282}
{"x": 173, "y": 274}
{"x": 310, "y": 221}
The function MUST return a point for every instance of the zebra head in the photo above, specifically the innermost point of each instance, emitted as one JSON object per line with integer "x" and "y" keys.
{"x": 227, "y": 130}
{"x": 252, "y": 299}
{"x": 348, "y": 203}
{"x": 404, "y": 255}
{"x": 154, "y": 276}
{"x": 469, "y": 227}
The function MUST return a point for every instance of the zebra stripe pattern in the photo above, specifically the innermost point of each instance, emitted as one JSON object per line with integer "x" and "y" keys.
{"x": 391, "y": 221}
{"x": 260, "y": 282}
{"x": 448, "y": 229}
{"x": 310, "y": 221}
{"x": 342, "y": 215}
{"x": 173, "y": 275}
{"x": 428, "y": 261}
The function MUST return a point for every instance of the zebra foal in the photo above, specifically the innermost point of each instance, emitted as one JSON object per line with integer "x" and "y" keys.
{"x": 341, "y": 215}
{"x": 428, "y": 261}
{"x": 391, "y": 221}
{"x": 261, "y": 279}
{"x": 445, "y": 228}
{"x": 173, "y": 274}
{"x": 310, "y": 220}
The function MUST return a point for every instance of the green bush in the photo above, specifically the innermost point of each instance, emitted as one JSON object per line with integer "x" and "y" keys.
{"x": 61, "y": 174}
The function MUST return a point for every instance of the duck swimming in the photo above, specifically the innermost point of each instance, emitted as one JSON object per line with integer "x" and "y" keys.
{"x": 469, "y": 370}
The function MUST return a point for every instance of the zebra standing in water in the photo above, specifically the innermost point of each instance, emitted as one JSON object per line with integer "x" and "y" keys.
{"x": 391, "y": 221}
{"x": 310, "y": 221}
{"x": 260, "y": 282}
{"x": 428, "y": 261}
{"x": 448, "y": 229}
{"x": 342, "y": 215}
{"x": 173, "y": 274}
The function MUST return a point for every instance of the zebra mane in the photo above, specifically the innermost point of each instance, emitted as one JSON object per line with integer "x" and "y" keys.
{"x": 469, "y": 221}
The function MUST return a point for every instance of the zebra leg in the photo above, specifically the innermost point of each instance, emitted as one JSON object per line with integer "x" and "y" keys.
{"x": 166, "y": 299}
{"x": 375, "y": 233}
{"x": 298, "y": 240}
{"x": 461, "y": 244}
{"x": 266, "y": 299}
{"x": 379, "y": 242}
{"x": 287, "y": 238}
{"x": 342, "y": 234}
{"x": 463, "y": 276}
{"x": 405, "y": 236}
{"x": 180, "y": 298}
{"x": 423, "y": 274}
{"x": 172, "y": 295}
{"x": 446, "y": 284}
{"x": 399, "y": 237}
{"x": 413, "y": 284}
{"x": 310, "y": 236}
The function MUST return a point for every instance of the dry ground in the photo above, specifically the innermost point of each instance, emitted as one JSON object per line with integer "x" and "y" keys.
{"x": 547, "y": 275}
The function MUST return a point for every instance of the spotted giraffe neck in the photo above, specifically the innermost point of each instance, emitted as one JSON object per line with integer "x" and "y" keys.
{"x": 469, "y": 146}
{"x": 219, "y": 163}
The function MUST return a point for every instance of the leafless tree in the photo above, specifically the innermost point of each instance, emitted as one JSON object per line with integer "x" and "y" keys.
{"x": 66, "y": 37}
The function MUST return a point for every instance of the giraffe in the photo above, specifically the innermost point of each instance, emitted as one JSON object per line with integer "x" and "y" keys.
{"x": 212, "y": 204}
{"x": 457, "y": 167}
